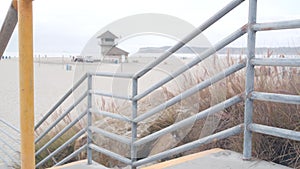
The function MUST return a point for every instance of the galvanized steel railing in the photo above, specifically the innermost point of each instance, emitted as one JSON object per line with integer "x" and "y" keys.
{"x": 9, "y": 144}
{"x": 60, "y": 118}
{"x": 248, "y": 96}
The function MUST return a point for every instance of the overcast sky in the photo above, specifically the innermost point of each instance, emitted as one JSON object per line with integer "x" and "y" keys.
{"x": 66, "y": 25}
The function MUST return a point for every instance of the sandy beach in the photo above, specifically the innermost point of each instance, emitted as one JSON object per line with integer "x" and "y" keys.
{"x": 52, "y": 80}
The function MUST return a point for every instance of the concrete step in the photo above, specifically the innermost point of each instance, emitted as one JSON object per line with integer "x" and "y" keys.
{"x": 215, "y": 159}
{"x": 210, "y": 159}
{"x": 80, "y": 165}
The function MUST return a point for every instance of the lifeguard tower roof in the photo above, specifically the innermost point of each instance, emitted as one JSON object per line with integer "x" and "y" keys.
{"x": 107, "y": 34}
{"x": 117, "y": 51}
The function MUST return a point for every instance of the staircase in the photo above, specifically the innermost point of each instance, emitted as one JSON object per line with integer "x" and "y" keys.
{"x": 132, "y": 159}
{"x": 45, "y": 156}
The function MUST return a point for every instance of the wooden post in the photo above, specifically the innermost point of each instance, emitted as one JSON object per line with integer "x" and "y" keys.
{"x": 26, "y": 84}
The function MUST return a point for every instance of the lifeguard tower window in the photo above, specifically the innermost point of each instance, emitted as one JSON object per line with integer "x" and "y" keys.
{"x": 109, "y": 40}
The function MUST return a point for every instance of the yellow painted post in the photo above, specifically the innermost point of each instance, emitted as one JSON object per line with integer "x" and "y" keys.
{"x": 26, "y": 84}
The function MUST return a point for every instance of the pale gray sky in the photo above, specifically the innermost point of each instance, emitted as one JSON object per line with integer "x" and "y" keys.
{"x": 66, "y": 25}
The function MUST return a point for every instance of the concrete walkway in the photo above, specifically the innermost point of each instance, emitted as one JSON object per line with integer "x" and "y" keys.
{"x": 80, "y": 165}
{"x": 211, "y": 159}
{"x": 215, "y": 159}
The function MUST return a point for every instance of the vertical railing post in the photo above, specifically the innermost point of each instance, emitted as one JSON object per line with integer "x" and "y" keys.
{"x": 89, "y": 120}
{"x": 26, "y": 82}
{"x": 134, "y": 124}
{"x": 247, "y": 151}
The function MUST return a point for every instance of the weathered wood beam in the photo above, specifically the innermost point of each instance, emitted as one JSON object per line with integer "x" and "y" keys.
{"x": 8, "y": 26}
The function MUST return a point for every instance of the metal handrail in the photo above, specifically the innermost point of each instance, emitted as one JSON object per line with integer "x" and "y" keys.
{"x": 276, "y": 62}
{"x": 110, "y": 153}
{"x": 248, "y": 96}
{"x": 74, "y": 154}
{"x": 275, "y": 131}
{"x": 205, "y": 140}
{"x": 10, "y": 125}
{"x": 61, "y": 117}
{"x": 233, "y": 4}
{"x": 61, "y": 133}
{"x": 109, "y": 74}
{"x": 210, "y": 111}
{"x": 110, "y": 135}
{"x": 100, "y": 93}
{"x": 111, "y": 115}
{"x": 16, "y": 140}
{"x": 12, "y": 150}
{"x": 221, "y": 44}
{"x": 76, "y": 136}
{"x": 8, "y": 145}
{"x": 192, "y": 91}
{"x": 9, "y": 134}
{"x": 292, "y": 24}
{"x": 279, "y": 98}
{"x": 69, "y": 92}
{"x": 204, "y": 26}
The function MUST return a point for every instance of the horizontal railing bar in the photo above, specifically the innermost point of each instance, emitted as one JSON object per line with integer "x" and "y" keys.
{"x": 69, "y": 157}
{"x": 109, "y": 95}
{"x": 278, "y": 98}
{"x": 110, "y": 74}
{"x": 76, "y": 136}
{"x": 190, "y": 120}
{"x": 189, "y": 37}
{"x": 61, "y": 117}
{"x": 274, "y": 131}
{"x": 111, "y": 115}
{"x": 61, "y": 132}
{"x": 10, "y": 136}
{"x": 10, "y": 125}
{"x": 221, "y": 44}
{"x": 292, "y": 24}
{"x": 276, "y": 62}
{"x": 110, "y": 153}
{"x": 191, "y": 91}
{"x": 205, "y": 140}
{"x": 69, "y": 92}
{"x": 111, "y": 135}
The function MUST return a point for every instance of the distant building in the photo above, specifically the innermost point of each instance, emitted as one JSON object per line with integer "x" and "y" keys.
{"x": 109, "y": 52}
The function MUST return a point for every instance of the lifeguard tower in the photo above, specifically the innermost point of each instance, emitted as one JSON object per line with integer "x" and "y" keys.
{"x": 109, "y": 52}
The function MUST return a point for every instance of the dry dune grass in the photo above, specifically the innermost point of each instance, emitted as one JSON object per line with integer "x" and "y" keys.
{"x": 268, "y": 79}
{"x": 60, "y": 141}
